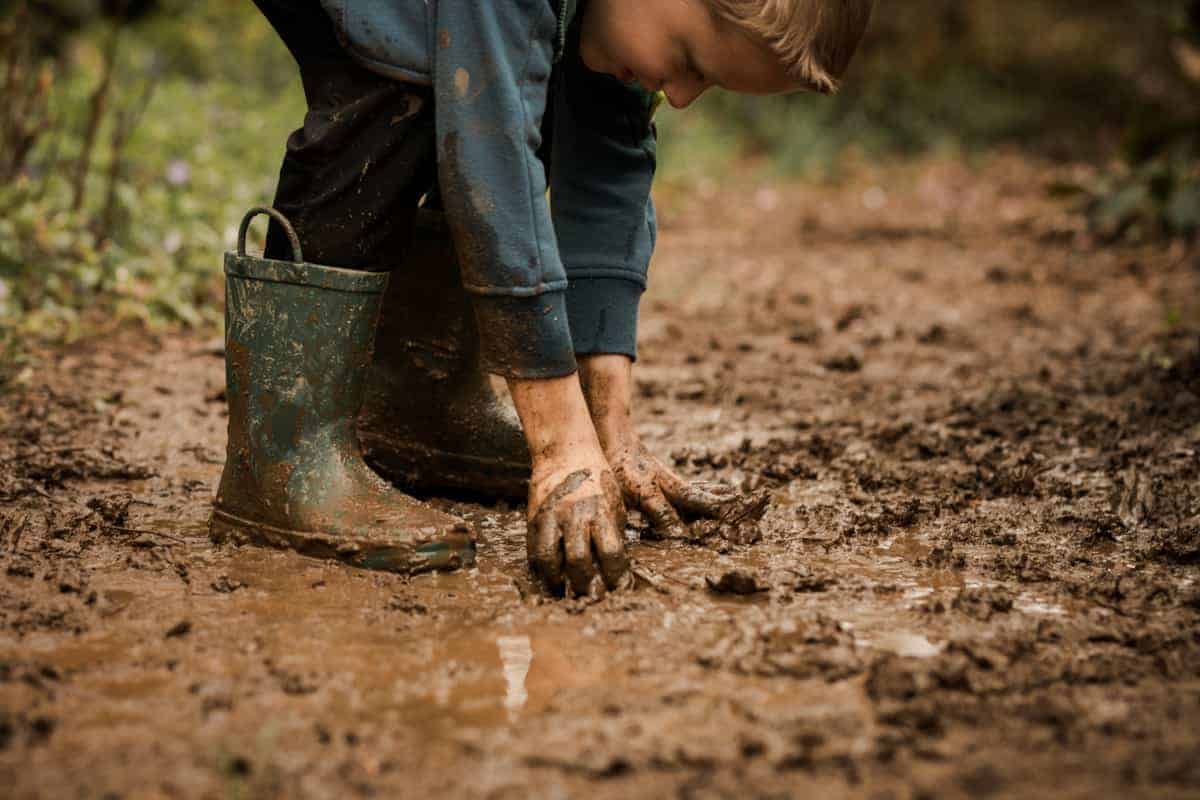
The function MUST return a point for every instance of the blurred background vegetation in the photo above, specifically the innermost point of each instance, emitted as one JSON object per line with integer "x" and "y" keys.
{"x": 133, "y": 133}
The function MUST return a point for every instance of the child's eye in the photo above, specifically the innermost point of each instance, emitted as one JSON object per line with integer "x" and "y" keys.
{"x": 692, "y": 68}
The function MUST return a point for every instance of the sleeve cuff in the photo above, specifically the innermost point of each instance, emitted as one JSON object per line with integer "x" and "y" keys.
{"x": 524, "y": 337}
{"x": 604, "y": 314}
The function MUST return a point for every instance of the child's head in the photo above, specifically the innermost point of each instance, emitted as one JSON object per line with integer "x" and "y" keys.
{"x": 754, "y": 46}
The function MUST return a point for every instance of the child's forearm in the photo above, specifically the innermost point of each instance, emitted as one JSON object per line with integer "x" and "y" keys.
{"x": 575, "y": 515}
{"x": 646, "y": 483}
{"x": 607, "y": 382}
{"x": 554, "y": 416}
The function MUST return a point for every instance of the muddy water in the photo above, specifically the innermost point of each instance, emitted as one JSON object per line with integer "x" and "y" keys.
{"x": 977, "y": 577}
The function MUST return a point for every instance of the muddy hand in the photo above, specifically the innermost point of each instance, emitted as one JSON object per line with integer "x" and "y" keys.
{"x": 646, "y": 483}
{"x": 576, "y": 532}
{"x": 576, "y": 520}
{"x": 660, "y": 493}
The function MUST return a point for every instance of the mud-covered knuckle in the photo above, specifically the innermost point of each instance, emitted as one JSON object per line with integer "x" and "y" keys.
{"x": 564, "y": 488}
{"x": 629, "y": 490}
{"x": 633, "y": 482}
{"x": 620, "y": 469}
{"x": 636, "y": 492}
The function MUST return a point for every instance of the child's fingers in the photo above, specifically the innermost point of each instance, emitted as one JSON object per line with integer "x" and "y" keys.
{"x": 722, "y": 491}
{"x": 577, "y": 542}
{"x": 543, "y": 546}
{"x": 691, "y": 498}
{"x": 663, "y": 516}
{"x": 609, "y": 543}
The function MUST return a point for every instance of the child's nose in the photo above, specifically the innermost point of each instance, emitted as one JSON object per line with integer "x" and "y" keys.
{"x": 683, "y": 93}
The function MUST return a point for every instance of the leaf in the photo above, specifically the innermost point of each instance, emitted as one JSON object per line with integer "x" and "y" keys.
{"x": 1183, "y": 209}
{"x": 1064, "y": 189}
{"x": 1113, "y": 214}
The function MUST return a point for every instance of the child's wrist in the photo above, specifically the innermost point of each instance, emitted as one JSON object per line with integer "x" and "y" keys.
{"x": 607, "y": 388}
{"x": 555, "y": 418}
{"x": 615, "y": 431}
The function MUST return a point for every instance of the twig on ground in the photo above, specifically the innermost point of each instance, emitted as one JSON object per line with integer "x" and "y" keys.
{"x": 143, "y": 531}
{"x": 18, "y": 529}
{"x": 649, "y": 578}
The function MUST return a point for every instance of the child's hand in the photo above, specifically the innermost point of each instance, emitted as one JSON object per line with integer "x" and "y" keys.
{"x": 575, "y": 519}
{"x": 659, "y": 492}
{"x": 646, "y": 483}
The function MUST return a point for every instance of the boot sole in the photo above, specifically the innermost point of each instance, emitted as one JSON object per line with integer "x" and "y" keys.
{"x": 430, "y": 471}
{"x": 456, "y": 551}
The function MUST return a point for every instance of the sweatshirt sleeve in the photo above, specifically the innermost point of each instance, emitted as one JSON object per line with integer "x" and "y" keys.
{"x": 600, "y": 178}
{"x": 492, "y": 64}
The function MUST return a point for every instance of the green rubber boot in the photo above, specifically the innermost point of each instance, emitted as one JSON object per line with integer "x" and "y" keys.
{"x": 297, "y": 349}
{"x": 431, "y": 419}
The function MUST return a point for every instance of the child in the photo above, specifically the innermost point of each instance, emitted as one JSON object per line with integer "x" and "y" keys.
{"x": 479, "y": 107}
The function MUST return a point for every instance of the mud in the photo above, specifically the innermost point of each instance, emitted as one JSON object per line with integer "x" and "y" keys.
{"x": 976, "y": 576}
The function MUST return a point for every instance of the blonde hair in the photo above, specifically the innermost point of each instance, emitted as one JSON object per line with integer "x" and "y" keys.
{"x": 813, "y": 39}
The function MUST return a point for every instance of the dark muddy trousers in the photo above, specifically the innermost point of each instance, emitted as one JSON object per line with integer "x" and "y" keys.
{"x": 352, "y": 177}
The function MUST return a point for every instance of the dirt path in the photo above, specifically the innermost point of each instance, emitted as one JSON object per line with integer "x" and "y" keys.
{"x": 982, "y": 437}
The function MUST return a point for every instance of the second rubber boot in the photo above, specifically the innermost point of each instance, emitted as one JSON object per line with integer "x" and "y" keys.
{"x": 431, "y": 419}
{"x": 298, "y": 345}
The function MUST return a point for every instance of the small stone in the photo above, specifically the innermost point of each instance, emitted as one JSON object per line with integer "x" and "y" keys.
{"x": 181, "y": 628}
{"x": 843, "y": 362}
{"x": 737, "y": 582}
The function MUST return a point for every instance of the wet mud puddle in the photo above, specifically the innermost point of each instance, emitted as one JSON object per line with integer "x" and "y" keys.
{"x": 447, "y": 653}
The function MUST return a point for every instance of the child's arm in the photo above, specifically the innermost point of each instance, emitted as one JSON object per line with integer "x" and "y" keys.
{"x": 646, "y": 483}
{"x": 492, "y": 63}
{"x": 604, "y": 158}
{"x": 602, "y": 168}
{"x": 492, "y": 66}
{"x": 574, "y": 500}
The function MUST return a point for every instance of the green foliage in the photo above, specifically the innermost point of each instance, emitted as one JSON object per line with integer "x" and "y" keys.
{"x": 1156, "y": 191}
{"x": 1159, "y": 197}
{"x": 158, "y": 207}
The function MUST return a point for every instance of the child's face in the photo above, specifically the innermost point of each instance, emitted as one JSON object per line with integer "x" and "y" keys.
{"x": 677, "y": 46}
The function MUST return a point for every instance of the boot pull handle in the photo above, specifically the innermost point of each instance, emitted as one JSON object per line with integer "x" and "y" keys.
{"x": 297, "y": 254}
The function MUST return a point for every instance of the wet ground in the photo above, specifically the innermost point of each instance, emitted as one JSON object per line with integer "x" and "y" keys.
{"x": 980, "y": 431}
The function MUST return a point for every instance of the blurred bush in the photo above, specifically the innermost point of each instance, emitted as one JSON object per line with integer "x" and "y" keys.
{"x": 128, "y": 147}
{"x": 1155, "y": 192}
{"x": 1061, "y": 80}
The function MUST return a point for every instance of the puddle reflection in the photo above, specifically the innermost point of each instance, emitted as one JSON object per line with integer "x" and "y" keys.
{"x": 1029, "y": 604}
{"x": 493, "y": 681}
{"x": 516, "y": 654}
{"x": 903, "y": 643}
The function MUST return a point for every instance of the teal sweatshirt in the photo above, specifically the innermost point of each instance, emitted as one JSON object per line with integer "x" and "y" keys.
{"x": 552, "y": 274}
